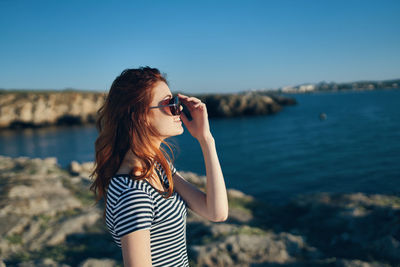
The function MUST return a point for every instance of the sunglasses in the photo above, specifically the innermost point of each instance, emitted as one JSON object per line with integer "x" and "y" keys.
{"x": 174, "y": 105}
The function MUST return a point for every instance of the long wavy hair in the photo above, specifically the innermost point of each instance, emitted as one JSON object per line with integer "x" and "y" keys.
{"x": 122, "y": 123}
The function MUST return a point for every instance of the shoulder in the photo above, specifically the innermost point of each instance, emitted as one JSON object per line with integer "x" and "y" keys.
{"x": 133, "y": 207}
{"x": 122, "y": 187}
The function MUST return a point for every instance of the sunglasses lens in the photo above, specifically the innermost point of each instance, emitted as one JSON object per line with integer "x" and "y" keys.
{"x": 175, "y": 109}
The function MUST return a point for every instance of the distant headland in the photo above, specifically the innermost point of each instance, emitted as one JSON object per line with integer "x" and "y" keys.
{"x": 337, "y": 87}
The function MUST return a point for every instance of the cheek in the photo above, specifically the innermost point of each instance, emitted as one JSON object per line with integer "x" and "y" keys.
{"x": 160, "y": 120}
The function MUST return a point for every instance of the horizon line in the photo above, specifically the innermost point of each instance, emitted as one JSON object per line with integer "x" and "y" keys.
{"x": 240, "y": 90}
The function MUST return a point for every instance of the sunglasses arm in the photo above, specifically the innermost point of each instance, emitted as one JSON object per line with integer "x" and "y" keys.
{"x": 169, "y": 105}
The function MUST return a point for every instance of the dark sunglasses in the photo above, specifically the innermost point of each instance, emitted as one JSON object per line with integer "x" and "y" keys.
{"x": 174, "y": 106}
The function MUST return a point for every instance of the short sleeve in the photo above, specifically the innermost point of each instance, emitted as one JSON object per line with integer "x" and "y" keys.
{"x": 134, "y": 211}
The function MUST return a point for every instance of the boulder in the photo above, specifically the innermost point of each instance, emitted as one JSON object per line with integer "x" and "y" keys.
{"x": 98, "y": 263}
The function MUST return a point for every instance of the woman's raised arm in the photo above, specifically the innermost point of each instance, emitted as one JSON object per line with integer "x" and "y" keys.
{"x": 213, "y": 204}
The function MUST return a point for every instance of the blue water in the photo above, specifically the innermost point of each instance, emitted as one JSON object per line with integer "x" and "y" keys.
{"x": 356, "y": 149}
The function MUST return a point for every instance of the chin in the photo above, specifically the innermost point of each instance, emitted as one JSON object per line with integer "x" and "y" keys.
{"x": 181, "y": 131}
{"x": 178, "y": 132}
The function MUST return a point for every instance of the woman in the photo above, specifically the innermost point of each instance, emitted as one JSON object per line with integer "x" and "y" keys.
{"x": 145, "y": 197}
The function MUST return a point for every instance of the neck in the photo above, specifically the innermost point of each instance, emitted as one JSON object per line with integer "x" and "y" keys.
{"x": 131, "y": 161}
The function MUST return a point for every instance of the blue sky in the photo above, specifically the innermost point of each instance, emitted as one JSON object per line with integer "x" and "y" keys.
{"x": 203, "y": 46}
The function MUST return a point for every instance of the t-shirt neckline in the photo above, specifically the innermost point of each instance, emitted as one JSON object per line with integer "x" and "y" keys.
{"x": 157, "y": 166}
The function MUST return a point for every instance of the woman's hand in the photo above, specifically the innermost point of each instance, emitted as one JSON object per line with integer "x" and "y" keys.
{"x": 198, "y": 127}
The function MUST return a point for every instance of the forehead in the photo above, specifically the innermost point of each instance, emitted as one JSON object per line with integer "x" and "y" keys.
{"x": 160, "y": 91}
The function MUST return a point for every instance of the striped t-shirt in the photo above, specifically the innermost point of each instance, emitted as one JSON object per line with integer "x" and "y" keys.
{"x": 133, "y": 205}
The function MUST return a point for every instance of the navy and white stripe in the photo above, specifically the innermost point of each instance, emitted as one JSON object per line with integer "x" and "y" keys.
{"x": 133, "y": 205}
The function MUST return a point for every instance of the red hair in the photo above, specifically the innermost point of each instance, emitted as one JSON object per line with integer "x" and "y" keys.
{"x": 122, "y": 125}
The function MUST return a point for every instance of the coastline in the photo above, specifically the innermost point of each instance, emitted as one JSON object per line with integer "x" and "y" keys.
{"x": 294, "y": 93}
{"x": 48, "y": 219}
{"x": 23, "y": 109}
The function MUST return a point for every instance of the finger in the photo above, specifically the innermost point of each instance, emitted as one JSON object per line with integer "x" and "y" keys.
{"x": 184, "y": 99}
{"x": 194, "y": 99}
{"x": 194, "y": 106}
{"x": 197, "y": 105}
{"x": 182, "y": 96}
{"x": 202, "y": 106}
{"x": 189, "y": 105}
{"x": 187, "y": 98}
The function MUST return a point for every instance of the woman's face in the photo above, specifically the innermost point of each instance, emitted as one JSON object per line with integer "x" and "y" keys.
{"x": 161, "y": 118}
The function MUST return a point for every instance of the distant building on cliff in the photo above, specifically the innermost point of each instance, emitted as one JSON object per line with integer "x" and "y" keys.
{"x": 299, "y": 89}
{"x": 332, "y": 86}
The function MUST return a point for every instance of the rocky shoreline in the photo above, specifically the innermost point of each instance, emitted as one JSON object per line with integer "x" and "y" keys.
{"x": 25, "y": 109}
{"x": 47, "y": 218}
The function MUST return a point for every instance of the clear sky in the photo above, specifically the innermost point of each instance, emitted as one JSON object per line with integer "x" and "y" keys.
{"x": 202, "y": 46}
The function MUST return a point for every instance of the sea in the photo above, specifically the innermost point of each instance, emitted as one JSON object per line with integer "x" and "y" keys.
{"x": 336, "y": 142}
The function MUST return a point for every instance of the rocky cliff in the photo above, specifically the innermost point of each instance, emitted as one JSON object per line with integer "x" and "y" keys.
{"x": 33, "y": 109}
{"x": 244, "y": 104}
{"x": 30, "y": 109}
{"x": 47, "y": 218}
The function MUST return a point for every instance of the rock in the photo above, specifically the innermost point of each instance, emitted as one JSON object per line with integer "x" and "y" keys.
{"x": 98, "y": 263}
{"x": 27, "y": 109}
{"x": 50, "y": 161}
{"x": 221, "y": 229}
{"x": 45, "y": 210}
{"x": 358, "y": 263}
{"x": 240, "y": 215}
{"x": 47, "y": 262}
{"x": 353, "y": 225}
{"x": 248, "y": 249}
{"x": 83, "y": 170}
{"x": 74, "y": 168}
{"x": 38, "y": 206}
{"x": 40, "y": 195}
{"x": 87, "y": 167}
{"x": 194, "y": 178}
{"x": 72, "y": 225}
{"x": 244, "y": 104}
{"x": 238, "y": 194}
{"x": 388, "y": 247}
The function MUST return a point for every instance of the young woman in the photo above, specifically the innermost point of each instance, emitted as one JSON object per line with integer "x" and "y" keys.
{"x": 145, "y": 197}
